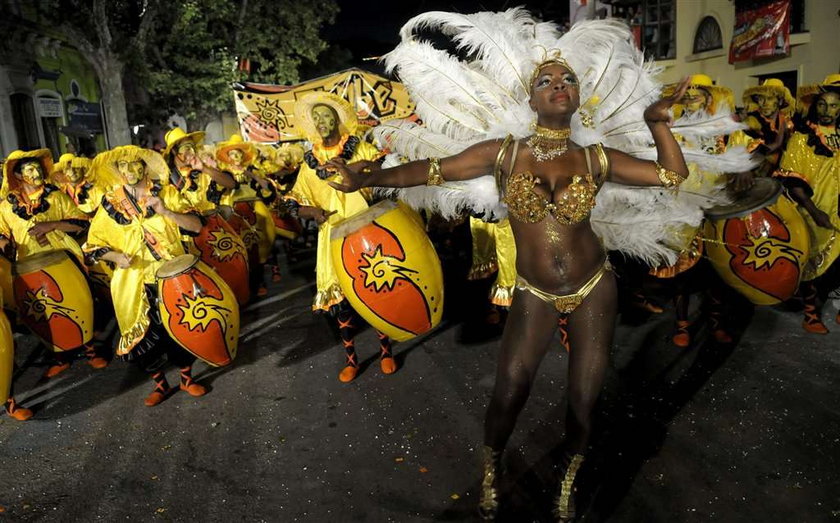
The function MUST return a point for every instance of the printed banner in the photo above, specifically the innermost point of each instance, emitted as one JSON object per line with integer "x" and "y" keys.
{"x": 266, "y": 112}
{"x": 761, "y": 32}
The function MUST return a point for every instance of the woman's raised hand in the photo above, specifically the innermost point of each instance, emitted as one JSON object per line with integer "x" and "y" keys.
{"x": 659, "y": 111}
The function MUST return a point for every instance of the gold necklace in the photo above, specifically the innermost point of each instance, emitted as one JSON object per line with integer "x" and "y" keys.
{"x": 547, "y": 144}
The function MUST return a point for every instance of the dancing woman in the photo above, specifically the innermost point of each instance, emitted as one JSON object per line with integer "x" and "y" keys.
{"x": 549, "y": 184}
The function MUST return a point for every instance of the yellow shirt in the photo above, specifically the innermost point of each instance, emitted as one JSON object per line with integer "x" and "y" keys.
{"x": 85, "y": 195}
{"x": 150, "y": 240}
{"x": 309, "y": 190}
{"x": 52, "y": 206}
{"x": 822, "y": 175}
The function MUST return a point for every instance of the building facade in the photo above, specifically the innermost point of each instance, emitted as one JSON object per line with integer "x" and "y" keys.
{"x": 49, "y": 94}
{"x": 687, "y": 37}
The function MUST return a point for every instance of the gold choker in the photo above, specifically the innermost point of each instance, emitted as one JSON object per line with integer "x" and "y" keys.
{"x": 547, "y": 144}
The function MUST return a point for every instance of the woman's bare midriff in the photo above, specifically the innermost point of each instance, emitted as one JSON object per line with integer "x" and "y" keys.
{"x": 556, "y": 258}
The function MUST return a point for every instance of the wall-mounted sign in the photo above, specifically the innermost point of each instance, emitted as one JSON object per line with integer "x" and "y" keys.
{"x": 50, "y": 107}
{"x": 760, "y": 31}
{"x": 85, "y": 115}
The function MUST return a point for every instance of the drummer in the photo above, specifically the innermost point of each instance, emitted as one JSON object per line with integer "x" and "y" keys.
{"x": 35, "y": 217}
{"x": 701, "y": 96}
{"x": 330, "y": 123}
{"x": 236, "y": 158}
{"x": 195, "y": 175}
{"x": 810, "y": 168}
{"x": 137, "y": 230}
{"x": 769, "y": 107}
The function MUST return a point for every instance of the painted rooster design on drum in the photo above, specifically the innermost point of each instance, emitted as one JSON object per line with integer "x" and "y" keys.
{"x": 765, "y": 253}
{"x": 44, "y": 310}
{"x": 384, "y": 280}
{"x": 200, "y": 315}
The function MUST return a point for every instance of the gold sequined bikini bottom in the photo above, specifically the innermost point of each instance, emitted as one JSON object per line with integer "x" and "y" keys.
{"x": 567, "y": 303}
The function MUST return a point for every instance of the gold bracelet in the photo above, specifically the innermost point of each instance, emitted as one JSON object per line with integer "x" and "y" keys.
{"x": 668, "y": 177}
{"x": 435, "y": 178}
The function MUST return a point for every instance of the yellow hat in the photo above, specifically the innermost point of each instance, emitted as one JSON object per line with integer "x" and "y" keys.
{"x": 348, "y": 120}
{"x": 177, "y": 135}
{"x": 235, "y": 142}
{"x": 770, "y": 87}
{"x": 290, "y": 154}
{"x": 107, "y": 173}
{"x": 10, "y": 182}
{"x": 805, "y": 95}
{"x": 719, "y": 94}
{"x": 63, "y": 162}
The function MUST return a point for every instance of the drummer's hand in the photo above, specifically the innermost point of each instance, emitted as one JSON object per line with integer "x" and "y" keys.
{"x": 208, "y": 160}
{"x": 122, "y": 260}
{"x": 659, "y": 111}
{"x": 352, "y": 175}
{"x": 321, "y": 216}
{"x": 822, "y": 219}
{"x": 39, "y": 232}
{"x": 741, "y": 182}
{"x": 156, "y": 204}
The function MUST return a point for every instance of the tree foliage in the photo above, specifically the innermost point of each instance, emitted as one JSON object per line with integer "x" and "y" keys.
{"x": 192, "y": 58}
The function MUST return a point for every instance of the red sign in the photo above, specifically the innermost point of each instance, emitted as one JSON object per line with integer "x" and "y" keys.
{"x": 761, "y": 32}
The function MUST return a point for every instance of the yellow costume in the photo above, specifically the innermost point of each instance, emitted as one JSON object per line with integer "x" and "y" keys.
{"x": 126, "y": 226}
{"x": 197, "y": 187}
{"x": 821, "y": 174}
{"x": 763, "y": 131}
{"x": 18, "y": 213}
{"x": 248, "y": 190}
{"x": 494, "y": 250}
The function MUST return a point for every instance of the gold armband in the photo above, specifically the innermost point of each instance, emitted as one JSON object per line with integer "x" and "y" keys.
{"x": 435, "y": 178}
{"x": 668, "y": 177}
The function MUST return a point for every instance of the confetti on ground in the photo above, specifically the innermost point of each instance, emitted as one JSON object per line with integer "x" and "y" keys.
{"x": 424, "y": 470}
{"x": 455, "y": 496}
{"x": 399, "y": 460}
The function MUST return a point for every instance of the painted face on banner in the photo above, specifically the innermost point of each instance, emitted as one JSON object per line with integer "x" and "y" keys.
{"x": 132, "y": 171}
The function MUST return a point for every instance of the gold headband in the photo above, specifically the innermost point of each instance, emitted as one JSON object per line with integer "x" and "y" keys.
{"x": 553, "y": 59}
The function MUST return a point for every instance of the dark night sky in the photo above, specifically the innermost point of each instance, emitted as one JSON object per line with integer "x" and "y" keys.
{"x": 371, "y": 27}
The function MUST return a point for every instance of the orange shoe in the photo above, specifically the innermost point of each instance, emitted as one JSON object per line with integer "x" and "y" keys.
{"x": 275, "y": 274}
{"x": 494, "y": 317}
{"x": 388, "y": 365}
{"x": 18, "y": 413}
{"x": 95, "y": 361}
{"x": 682, "y": 338}
{"x": 814, "y": 325}
{"x": 837, "y": 318}
{"x": 348, "y": 373}
{"x": 262, "y": 291}
{"x": 161, "y": 392}
{"x": 640, "y": 302}
{"x": 189, "y": 385}
{"x": 722, "y": 337}
{"x": 55, "y": 369}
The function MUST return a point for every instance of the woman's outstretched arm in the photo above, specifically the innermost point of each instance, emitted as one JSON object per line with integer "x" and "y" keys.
{"x": 472, "y": 162}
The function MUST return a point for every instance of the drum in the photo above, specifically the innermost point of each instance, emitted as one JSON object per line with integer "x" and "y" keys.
{"x": 7, "y": 356}
{"x": 53, "y": 299}
{"x": 244, "y": 222}
{"x": 198, "y": 309}
{"x": 220, "y": 247}
{"x": 389, "y": 270}
{"x": 286, "y": 226}
{"x": 759, "y": 244}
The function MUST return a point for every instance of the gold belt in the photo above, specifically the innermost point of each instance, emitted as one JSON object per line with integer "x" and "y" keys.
{"x": 565, "y": 304}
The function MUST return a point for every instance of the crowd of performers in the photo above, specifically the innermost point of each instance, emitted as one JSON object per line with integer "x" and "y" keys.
{"x": 703, "y": 210}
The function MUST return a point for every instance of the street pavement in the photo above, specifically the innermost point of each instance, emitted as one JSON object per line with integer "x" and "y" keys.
{"x": 748, "y": 432}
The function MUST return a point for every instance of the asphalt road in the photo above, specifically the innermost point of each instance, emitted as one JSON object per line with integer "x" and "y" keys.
{"x": 743, "y": 433}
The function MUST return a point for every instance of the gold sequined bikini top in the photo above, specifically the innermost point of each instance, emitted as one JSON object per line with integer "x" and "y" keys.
{"x": 572, "y": 206}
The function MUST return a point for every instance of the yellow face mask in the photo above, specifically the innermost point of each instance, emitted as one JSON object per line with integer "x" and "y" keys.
{"x": 33, "y": 174}
{"x": 75, "y": 174}
{"x": 236, "y": 157}
{"x": 768, "y": 106}
{"x": 132, "y": 172}
{"x": 326, "y": 121}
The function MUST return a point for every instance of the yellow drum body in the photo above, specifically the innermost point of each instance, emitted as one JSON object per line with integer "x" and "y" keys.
{"x": 760, "y": 249}
{"x": 53, "y": 299}
{"x": 6, "y": 283}
{"x": 389, "y": 270}
{"x": 198, "y": 309}
{"x": 7, "y": 356}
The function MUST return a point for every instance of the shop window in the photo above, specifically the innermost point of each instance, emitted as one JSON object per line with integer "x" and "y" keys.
{"x": 659, "y": 29}
{"x": 708, "y": 36}
{"x": 26, "y": 126}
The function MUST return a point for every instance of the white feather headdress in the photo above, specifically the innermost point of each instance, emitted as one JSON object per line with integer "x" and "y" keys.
{"x": 482, "y": 91}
